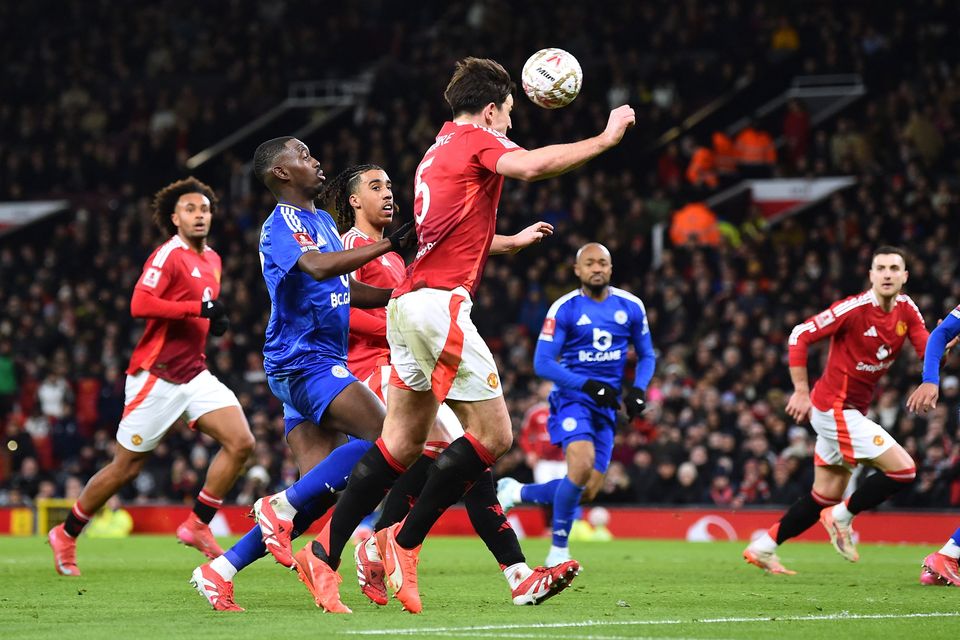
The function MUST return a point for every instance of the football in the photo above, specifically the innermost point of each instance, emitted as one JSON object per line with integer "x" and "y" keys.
{"x": 551, "y": 78}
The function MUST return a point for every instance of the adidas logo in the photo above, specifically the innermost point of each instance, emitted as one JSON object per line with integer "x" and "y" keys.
{"x": 871, "y": 332}
{"x": 196, "y": 272}
{"x": 583, "y": 320}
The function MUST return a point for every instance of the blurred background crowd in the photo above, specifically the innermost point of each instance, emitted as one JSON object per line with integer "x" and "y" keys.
{"x": 107, "y": 102}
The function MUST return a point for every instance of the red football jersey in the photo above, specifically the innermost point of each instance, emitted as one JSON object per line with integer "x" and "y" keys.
{"x": 534, "y": 436}
{"x": 864, "y": 342}
{"x": 173, "y": 349}
{"x": 457, "y": 189}
{"x": 367, "y": 342}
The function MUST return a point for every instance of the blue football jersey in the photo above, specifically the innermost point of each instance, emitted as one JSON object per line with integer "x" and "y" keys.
{"x": 591, "y": 338}
{"x": 308, "y": 318}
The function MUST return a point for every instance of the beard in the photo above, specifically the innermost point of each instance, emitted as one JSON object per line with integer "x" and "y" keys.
{"x": 595, "y": 289}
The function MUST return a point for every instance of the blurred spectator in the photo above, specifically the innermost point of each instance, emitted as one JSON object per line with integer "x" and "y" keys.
{"x": 702, "y": 170}
{"x": 796, "y": 132}
{"x": 725, "y": 155}
{"x": 695, "y": 224}
{"x": 756, "y": 153}
{"x": 785, "y": 38}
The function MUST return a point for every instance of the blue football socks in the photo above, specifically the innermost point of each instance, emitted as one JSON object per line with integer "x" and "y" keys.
{"x": 565, "y": 504}
{"x": 329, "y": 476}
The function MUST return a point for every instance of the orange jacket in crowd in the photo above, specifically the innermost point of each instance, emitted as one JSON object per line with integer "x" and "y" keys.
{"x": 695, "y": 223}
{"x": 724, "y": 154}
{"x": 755, "y": 146}
{"x": 702, "y": 168}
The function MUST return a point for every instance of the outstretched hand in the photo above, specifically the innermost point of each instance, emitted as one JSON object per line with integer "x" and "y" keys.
{"x": 532, "y": 235}
{"x": 621, "y": 119}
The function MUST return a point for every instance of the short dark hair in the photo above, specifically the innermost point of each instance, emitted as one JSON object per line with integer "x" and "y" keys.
{"x": 335, "y": 197}
{"x": 165, "y": 201}
{"x": 266, "y": 155}
{"x": 887, "y": 250}
{"x": 477, "y": 82}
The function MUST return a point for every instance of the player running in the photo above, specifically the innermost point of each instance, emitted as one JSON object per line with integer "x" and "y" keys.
{"x": 306, "y": 272}
{"x": 588, "y": 329}
{"x": 866, "y": 333}
{"x": 940, "y": 564}
{"x": 362, "y": 199}
{"x": 436, "y": 351}
{"x": 168, "y": 377}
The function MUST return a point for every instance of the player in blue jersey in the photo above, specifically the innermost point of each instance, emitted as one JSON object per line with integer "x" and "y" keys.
{"x": 307, "y": 274}
{"x": 589, "y": 330}
{"x": 939, "y": 567}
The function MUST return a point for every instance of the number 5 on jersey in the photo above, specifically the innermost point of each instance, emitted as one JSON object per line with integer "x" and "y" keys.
{"x": 421, "y": 191}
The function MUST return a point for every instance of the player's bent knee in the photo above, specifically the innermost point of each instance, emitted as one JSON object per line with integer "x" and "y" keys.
{"x": 242, "y": 446}
{"x": 579, "y": 477}
{"x": 405, "y": 450}
{"x": 500, "y": 443}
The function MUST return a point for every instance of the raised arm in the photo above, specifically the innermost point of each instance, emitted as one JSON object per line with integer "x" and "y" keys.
{"x": 557, "y": 159}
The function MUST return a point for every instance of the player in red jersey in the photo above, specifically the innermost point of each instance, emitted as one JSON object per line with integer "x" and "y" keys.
{"x": 545, "y": 458}
{"x": 866, "y": 333}
{"x": 168, "y": 377}
{"x": 436, "y": 351}
{"x": 362, "y": 199}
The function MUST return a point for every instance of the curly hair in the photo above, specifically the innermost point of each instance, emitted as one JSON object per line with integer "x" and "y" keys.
{"x": 335, "y": 197}
{"x": 165, "y": 201}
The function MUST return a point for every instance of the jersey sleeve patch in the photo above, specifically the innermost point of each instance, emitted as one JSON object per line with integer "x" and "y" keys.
{"x": 956, "y": 312}
{"x": 307, "y": 243}
{"x": 151, "y": 277}
{"x": 824, "y": 318}
{"x": 549, "y": 328}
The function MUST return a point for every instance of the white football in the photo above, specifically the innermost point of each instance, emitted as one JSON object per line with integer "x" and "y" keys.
{"x": 551, "y": 78}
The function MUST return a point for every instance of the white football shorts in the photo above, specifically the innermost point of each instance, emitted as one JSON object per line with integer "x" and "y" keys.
{"x": 152, "y": 406}
{"x": 434, "y": 346}
{"x": 846, "y": 436}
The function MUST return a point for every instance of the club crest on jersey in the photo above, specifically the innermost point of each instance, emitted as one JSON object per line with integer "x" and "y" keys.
{"x": 901, "y": 328}
{"x": 824, "y": 318}
{"x": 137, "y": 440}
{"x": 339, "y": 372}
{"x": 878, "y": 441}
{"x": 493, "y": 381}
{"x": 569, "y": 424}
{"x": 620, "y": 317}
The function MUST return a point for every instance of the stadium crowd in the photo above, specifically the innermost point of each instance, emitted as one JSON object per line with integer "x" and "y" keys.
{"x": 715, "y": 432}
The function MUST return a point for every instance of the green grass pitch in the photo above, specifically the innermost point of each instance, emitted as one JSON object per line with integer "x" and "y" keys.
{"x": 137, "y": 588}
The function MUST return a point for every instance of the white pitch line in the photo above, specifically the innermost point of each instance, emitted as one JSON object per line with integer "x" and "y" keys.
{"x": 598, "y": 623}
{"x": 539, "y": 636}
